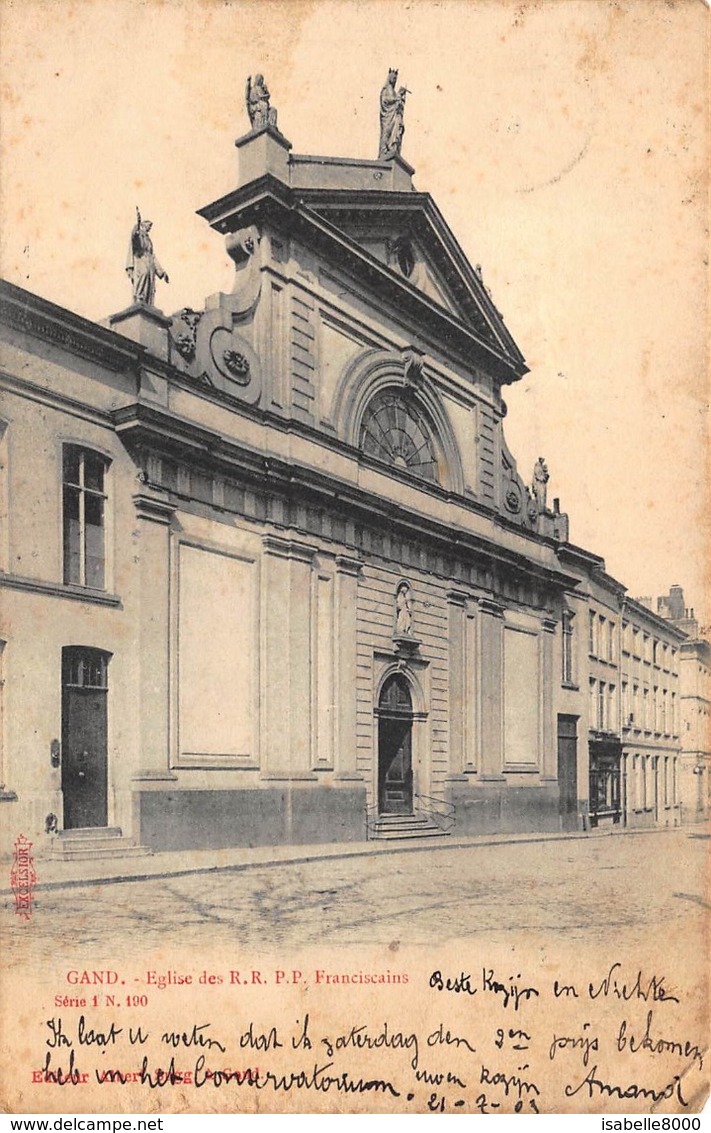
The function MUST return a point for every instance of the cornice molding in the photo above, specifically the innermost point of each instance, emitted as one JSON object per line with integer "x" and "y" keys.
{"x": 154, "y": 510}
{"x": 50, "y": 323}
{"x": 288, "y": 548}
{"x": 44, "y": 396}
{"x": 457, "y": 598}
{"x": 347, "y": 565}
{"x": 488, "y": 606}
{"x": 150, "y": 425}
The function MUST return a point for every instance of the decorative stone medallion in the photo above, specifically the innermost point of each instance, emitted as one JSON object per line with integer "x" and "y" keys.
{"x": 237, "y": 365}
{"x": 513, "y": 499}
{"x": 232, "y": 355}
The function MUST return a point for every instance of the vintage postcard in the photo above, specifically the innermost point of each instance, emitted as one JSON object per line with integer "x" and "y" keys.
{"x": 354, "y": 622}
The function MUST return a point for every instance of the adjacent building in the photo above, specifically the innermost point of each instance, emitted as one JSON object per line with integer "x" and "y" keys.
{"x": 269, "y": 570}
{"x": 695, "y": 703}
{"x": 626, "y": 698}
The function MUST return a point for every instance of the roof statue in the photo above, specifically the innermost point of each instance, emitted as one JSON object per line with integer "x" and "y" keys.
{"x": 260, "y": 113}
{"x": 142, "y": 267}
{"x": 392, "y": 112}
{"x": 541, "y": 476}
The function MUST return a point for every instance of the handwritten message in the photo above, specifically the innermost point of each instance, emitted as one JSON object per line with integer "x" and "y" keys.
{"x": 482, "y": 1039}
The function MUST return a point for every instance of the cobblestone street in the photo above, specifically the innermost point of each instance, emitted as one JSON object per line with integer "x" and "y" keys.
{"x": 612, "y": 890}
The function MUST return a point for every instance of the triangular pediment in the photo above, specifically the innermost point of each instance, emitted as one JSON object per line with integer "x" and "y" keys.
{"x": 407, "y": 233}
{"x": 408, "y": 259}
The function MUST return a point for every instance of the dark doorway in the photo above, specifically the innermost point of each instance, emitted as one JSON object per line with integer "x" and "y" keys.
{"x": 605, "y": 780}
{"x": 84, "y": 747}
{"x": 568, "y": 771}
{"x": 395, "y": 747}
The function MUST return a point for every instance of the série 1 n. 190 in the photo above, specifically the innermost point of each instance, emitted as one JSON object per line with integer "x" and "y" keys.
{"x": 105, "y": 1000}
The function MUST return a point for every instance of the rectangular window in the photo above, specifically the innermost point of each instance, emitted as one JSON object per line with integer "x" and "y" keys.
{"x": 601, "y": 706}
{"x": 625, "y": 703}
{"x": 674, "y": 721}
{"x": 600, "y": 637}
{"x": 85, "y": 668}
{"x": 591, "y": 633}
{"x": 611, "y": 721}
{"x": 568, "y": 672}
{"x": 611, "y": 641}
{"x": 84, "y": 508}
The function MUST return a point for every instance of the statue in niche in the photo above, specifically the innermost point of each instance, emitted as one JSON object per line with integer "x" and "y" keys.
{"x": 260, "y": 113}
{"x": 142, "y": 267}
{"x": 541, "y": 476}
{"x": 403, "y": 611}
{"x": 392, "y": 114}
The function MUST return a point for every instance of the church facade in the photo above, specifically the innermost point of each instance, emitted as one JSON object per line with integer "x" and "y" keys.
{"x": 269, "y": 571}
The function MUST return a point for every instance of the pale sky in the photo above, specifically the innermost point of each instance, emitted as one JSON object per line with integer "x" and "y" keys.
{"x": 565, "y": 142}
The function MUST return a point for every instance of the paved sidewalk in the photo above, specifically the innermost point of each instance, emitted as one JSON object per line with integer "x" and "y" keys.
{"x": 57, "y": 874}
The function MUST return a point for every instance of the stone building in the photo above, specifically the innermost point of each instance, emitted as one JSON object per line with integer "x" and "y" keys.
{"x": 695, "y": 705}
{"x": 269, "y": 570}
{"x": 622, "y": 682}
{"x": 650, "y": 716}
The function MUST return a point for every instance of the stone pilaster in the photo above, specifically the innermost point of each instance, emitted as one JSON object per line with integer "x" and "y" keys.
{"x": 347, "y": 571}
{"x": 491, "y": 666}
{"x": 472, "y": 695}
{"x": 548, "y": 731}
{"x": 458, "y": 680}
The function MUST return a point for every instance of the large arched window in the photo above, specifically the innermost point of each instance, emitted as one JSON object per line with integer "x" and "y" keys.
{"x": 395, "y": 431}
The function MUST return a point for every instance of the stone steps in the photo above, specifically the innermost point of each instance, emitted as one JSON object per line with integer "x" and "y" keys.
{"x": 391, "y": 827}
{"x": 91, "y": 843}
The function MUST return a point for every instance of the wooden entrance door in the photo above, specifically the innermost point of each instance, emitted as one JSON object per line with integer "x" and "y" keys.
{"x": 568, "y": 771}
{"x": 395, "y": 791}
{"x": 84, "y": 737}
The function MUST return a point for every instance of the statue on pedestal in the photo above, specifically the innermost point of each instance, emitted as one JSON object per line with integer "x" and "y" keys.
{"x": 392, "y": 113}
{"x": 541, "y": 476}
{"x": 260, "y": 113}
{"x": 142, "y": 267}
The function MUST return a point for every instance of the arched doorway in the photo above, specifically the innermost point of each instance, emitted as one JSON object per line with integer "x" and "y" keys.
{"x": 395, "y": 793}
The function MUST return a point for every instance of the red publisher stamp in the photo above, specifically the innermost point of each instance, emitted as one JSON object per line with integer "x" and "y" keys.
{"x": 23, "y": 877}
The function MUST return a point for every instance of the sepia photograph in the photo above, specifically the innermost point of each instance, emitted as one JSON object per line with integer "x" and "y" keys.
{"x": 355, "y": 635}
